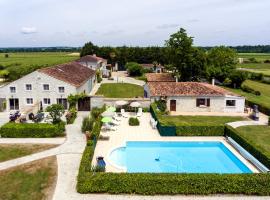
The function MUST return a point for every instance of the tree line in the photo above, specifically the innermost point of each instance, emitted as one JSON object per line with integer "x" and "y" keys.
{"x": 180, "y": 56}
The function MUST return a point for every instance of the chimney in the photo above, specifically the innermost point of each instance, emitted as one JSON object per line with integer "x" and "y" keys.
{"x": 94, "y": 55}
{"x": 176, "y": 79}
{"x": 213, "y": 81}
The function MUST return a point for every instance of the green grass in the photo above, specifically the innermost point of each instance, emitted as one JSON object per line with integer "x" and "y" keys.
{"x": 258, "y": 56}
{"x": 29, "y": 182}
{"x": 257, "y": 136}
{"x": 263, "y": 99}
{"x": 20, "y": 64}
{"x": 197, "y": 120}
{"x": 12, "y": 151}
{"x": 120, "y": 90}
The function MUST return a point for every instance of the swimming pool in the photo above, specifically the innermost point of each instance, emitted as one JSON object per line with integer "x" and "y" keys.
{"x": 177, "y": 157}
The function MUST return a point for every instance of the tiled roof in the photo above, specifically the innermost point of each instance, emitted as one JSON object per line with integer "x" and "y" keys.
{"x": 159, "y": 77}
{"x": 186, "y": 89}
{"x": 72, "y": 73}
{"x": 90, "y": 58}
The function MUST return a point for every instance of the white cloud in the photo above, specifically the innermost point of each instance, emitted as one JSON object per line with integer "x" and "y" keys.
{"x": 28, "y": 30}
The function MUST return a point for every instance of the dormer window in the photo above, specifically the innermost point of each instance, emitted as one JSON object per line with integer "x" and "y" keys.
{"x": 12, "y": 89}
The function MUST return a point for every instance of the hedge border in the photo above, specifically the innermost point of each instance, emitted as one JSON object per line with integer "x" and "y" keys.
{"x": 165, "y": 130}
{"x": 167, "y": 184}
{"x": 35, "y": 130}
{"x": 234, "y": 134}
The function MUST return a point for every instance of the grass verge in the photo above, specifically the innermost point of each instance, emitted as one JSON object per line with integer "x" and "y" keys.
{"x": 120, "y": 90}
{"x": 12, "y": 151}
{"x": 32, "y": 181}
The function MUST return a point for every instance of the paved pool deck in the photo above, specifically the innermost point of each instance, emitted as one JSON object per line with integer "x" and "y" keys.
{"x": 145, "y": 132}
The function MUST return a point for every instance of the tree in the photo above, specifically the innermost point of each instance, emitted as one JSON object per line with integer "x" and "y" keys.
{"x": 134, "y": 69}
{"x": 221, "y": 61}
{"x": 185, "y": 61}
{"x": 56, "y": 111}
{"x": 237, "y": 77}
{"x": 89, "y": 49}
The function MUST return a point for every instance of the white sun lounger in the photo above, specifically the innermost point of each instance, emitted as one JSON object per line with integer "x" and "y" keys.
{"x": 123, "y": 113}
{"x": 139, "y": 113}
{"x": 109, "y": 127}
{"x": 115, "y": 117}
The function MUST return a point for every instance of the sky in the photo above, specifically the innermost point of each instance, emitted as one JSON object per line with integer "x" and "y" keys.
{"x": 35, "y": 23}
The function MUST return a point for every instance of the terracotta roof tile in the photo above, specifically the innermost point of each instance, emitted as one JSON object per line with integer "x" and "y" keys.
{"x": 186, "y": 89}
{"x": 90, "y": 58}
{"x": 72, "y": 73}
{"x": 159, "y": 77}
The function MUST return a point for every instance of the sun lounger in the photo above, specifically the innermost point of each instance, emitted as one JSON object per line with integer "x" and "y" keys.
{"x": 114, "y": 122}
{"x": 109, "y": 128}
{"x": 139, "y": 113}
{"x": 123, "y": 113}
{"x": 115, "y": 117}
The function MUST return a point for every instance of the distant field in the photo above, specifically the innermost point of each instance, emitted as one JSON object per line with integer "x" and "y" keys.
{"x": 263, "y": 99}
{"x": 258, "y": 56}
{"x": 260, "y": 67}
{"x": 20, "y": 64}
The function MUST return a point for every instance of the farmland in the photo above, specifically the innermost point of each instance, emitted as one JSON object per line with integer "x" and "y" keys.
{"x": 259, "y": 66}
{"x": 16, "y": 65}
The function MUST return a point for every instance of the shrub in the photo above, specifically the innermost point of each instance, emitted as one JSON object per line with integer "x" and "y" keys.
{"x": 96, "y": 112}
{"x": 133, "y": 121}
{"x": 256, "y": 76}
{"x": 87, "y": 124}
{"x": 257, "y": 93}
{"x": 96, "y": 128}
{"x": 161, "y": 105}
{"x": 134, "y": 69}
{"x": 71, "y": 115}
{"x": 15, "y": 130}
{"x": 146, "y": 109}
{"x": 267, "y": 61}
{"x": 248, "y": 89}
{"x": 56, "y": 111}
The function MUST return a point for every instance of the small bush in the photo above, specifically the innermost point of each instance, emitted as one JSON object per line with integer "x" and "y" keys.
{"x": 87, "y": 124}
{"x": 15, "y": 130}
{"x": 161, "y": 105}
{"x": 146, "y": 109}
{"x": 71, "y": 115}
{"x": 133, "y": 121}
{"x": 247, "y": 89}
{"x": 257, "y": 93}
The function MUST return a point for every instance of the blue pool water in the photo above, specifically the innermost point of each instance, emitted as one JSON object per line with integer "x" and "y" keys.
{"x": 177, "y": 157}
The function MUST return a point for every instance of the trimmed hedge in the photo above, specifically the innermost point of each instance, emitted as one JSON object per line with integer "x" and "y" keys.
{"x": 133, "y": 121}
{"x": 167, "y": 184}
{"x": 233, "y": 133}
{"x": 200, "y": 130}
{"x": 166, "y": 130}
{"x": 171, "y": 184}
{"x": 16, "y": 130}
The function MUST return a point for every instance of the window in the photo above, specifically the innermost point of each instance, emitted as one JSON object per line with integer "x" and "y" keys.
{"x": 28, "y": 87}
{"x": 46, "y": 87}
{"x": 47, "y": 101}
{"x": 203, "y": 102}
{"x": 29, "y": 101}
{"x": 61, "y": 89}
{"x": 230, "y": 102}
{"x": 12, "y": 89}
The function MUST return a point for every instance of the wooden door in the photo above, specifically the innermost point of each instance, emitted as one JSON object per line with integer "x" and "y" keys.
{"x": 172, "y": 105}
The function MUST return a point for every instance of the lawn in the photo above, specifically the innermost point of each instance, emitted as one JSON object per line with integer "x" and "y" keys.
{"x": 120, "y": 90}
{"x": 257, "y": 136}
{"x": 31, "y": 181}
{"x": 12, "y": 151}
{"x": 197, "y": 120}
{"x": 263, "y": 99}
{"x": 19, "y": 64}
